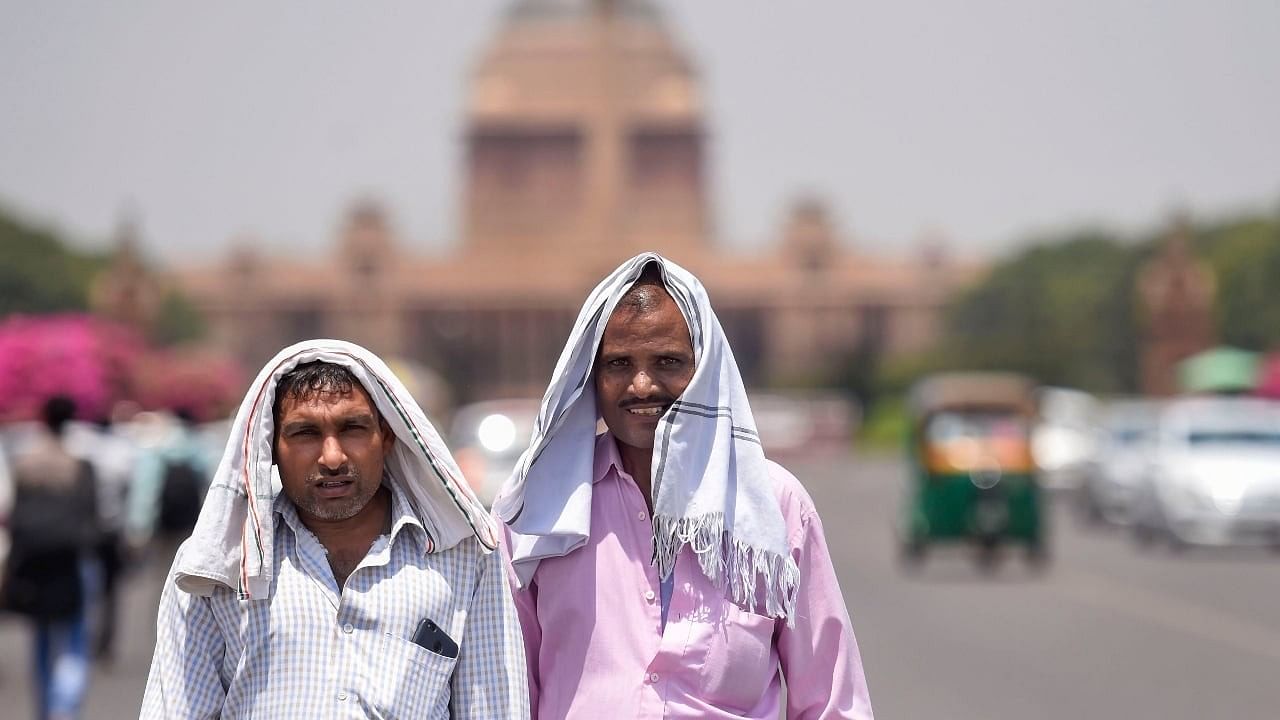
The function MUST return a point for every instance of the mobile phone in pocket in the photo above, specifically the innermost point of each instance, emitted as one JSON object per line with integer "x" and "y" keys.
{"x": 431, "y": 637}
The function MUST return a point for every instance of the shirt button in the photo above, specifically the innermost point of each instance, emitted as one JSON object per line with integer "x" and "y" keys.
{"x": 342, "y": 695}
{"x": 648, "y": 595}
{"x": 653, "y": 677}
{"x": 642, "y": 515}
{"x": 348, "y": 628}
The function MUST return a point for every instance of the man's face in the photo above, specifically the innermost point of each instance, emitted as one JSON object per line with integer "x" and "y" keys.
{"x": 330, "y": 450}
{"x": 645, "y": 363}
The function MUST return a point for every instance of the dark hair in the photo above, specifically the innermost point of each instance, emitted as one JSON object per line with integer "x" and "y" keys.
{"x": 647, "y": 292}
{"x": 57, "y": 411}
{"x": 186, "y": 415}
{"x": 308, "y": 380}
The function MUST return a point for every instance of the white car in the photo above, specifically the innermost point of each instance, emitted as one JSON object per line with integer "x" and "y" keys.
{"x": 1064, "y": 440}
{"x": 1125, "y": 443}
{"x": 487, "y": 438}
{"x": 1214, "y": 475}
{"x": 803, "y": 423}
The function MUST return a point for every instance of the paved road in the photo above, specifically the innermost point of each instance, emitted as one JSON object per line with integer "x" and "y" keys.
{"x": 1107, "y": 632}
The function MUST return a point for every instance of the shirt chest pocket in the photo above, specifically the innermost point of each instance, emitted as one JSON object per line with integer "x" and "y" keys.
{"x": 415, "y": 682}
{"x": 740, "y": 660}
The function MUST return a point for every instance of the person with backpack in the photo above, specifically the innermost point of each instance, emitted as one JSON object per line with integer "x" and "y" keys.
{"x": 168, "y": 489}
{"x": 48, "y": 574}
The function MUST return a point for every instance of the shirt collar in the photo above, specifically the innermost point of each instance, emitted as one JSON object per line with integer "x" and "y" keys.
{"x": 402, "y": 515}
{"x": 607, "y": 458}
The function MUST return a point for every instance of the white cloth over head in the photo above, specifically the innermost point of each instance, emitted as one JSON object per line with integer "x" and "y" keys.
{"x": 710, "y": 484}
{"x": 231, "y": 542}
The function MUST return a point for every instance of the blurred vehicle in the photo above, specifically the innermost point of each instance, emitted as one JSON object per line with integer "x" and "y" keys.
{"x": 1125, "y": 443}
{"x": 1064, "y": 441}
{"x": 1214, "y": 476}
{"x": 972, "y": 475}
{"x": 487, "y": 439}
{"x": 795, "y": 423}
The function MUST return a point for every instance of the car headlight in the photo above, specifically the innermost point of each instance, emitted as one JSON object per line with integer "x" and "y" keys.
{"x": 497, "y": 433}
{"x": 1228, "y": 494}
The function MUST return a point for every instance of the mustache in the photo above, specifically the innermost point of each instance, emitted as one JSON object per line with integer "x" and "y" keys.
{"x": 324, "y": 475}
{"x": 634, "y": 402}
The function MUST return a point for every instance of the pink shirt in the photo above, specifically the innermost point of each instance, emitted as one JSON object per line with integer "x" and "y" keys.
{"x": 596, "y": 646}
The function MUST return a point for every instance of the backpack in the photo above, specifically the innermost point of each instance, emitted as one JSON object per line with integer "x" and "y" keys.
{"x": 51, "y": 529}
{"x": 181, "y": 495}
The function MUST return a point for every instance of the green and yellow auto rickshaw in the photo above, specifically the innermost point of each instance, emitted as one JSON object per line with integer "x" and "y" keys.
{"x": 972, "y": 476}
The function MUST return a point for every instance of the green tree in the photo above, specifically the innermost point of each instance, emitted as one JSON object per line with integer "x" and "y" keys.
{"x": 1065, "y": 309}
{"x": 1060, "y": 311}
{"x": 1245, "y": 256}
{"x": 39, "y": 273}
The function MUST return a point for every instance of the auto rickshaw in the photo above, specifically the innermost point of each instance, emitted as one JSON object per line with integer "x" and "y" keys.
{"x": 972, "y": 476}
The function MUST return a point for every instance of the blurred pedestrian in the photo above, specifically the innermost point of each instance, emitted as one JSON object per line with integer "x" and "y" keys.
{"x": 665, "y": 568}
{"x": 169, "y": 484}
{"x": 48, "y": 577}
{"x": 366, "y": 587}
{"x": 113, "y": 457}
{"x": 6, "y": 504}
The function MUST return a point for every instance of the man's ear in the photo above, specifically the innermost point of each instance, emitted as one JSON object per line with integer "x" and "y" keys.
{"x": 388, "y": 437}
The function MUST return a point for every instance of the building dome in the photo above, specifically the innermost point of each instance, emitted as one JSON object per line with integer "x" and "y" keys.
{"x": 552, "y": 10}
{"x": 560, "y": 60}
{"x": 584, "y": 134}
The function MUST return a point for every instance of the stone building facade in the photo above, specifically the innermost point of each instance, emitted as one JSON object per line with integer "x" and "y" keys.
{"x": 585, "y": 144}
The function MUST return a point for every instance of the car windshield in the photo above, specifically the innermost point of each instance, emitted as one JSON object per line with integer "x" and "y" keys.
{"x": 1234, "y": 437}
{"x": 950, "y": 426}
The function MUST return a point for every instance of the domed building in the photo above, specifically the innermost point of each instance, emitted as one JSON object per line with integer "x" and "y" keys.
{"x": 585, "y": 144}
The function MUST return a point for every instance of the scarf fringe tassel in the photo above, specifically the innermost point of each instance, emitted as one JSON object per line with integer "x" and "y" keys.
{"x": 726, "y": 558}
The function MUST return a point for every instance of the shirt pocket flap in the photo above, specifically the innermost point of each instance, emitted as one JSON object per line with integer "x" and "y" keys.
{"x": 416, "y": 681}
{"x": 741, "y": 662}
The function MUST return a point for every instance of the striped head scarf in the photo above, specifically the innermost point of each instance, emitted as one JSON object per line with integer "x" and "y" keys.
{"x": 711, "y": 486}
{"x": 231, "y": 542}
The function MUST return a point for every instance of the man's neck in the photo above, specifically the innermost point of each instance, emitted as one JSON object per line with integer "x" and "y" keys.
{"x": 637, "y": 462}
{"x": 348, "y": 541}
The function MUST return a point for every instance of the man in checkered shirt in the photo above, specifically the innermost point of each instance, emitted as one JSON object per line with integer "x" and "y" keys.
{"x": 354, "y": 593}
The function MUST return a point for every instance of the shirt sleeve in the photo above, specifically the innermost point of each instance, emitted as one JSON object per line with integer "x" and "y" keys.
{"x": 819, "y": 656}
{"x": 185, "y": 678}
{"x": 526, "y": 602}
{"x": 489, "y": 680}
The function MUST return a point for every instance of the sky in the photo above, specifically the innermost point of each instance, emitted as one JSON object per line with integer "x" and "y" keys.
{"x": 985, "y": 122}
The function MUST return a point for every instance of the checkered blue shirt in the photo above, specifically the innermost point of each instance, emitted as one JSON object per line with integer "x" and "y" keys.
{"x": 312, "y": 650}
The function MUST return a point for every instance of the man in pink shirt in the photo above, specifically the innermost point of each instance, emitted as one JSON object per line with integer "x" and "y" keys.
{"x": 664, "y": 568}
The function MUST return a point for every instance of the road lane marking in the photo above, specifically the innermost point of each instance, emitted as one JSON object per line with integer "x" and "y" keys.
{"x": 1171, "y": 613}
